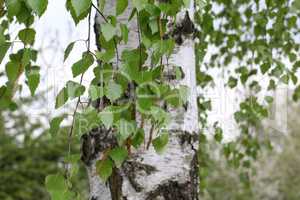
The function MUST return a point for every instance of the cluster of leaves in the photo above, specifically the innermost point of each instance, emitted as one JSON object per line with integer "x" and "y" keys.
{"x": 253, "y": 42}
{"x": 260, "y": 36}
{"x": 125, "y": 86}
{"x": 21, "y": 12}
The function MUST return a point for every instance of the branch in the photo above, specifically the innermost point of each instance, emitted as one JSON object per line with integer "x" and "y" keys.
{"x": 150, "y": 136}
{"x": 115, "y": 42}
{"x": 102, "y": 15}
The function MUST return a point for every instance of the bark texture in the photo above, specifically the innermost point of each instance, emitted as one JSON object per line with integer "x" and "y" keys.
{"x": 147, "y": 175}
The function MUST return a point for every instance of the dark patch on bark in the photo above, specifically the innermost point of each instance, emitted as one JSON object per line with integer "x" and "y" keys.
{"x": 188, "y": 138}
{"x": 131, "y": 168}
{"x": 178, "y": 31}
{"x": 172, "y": 190}
{"x": 96, "y": 141}
{"x": 194, "y": 176}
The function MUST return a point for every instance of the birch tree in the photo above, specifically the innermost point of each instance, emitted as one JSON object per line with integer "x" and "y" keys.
{"x": 150, "y": 173}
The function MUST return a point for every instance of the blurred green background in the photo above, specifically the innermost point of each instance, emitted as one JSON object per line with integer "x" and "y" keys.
{"x": 28, "y": 154}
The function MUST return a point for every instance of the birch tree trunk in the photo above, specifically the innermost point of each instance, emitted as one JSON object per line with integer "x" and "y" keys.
{"x": 147, "y": 175}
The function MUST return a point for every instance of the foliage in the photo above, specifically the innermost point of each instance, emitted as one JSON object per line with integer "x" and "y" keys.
{"x": 275, "y": 172}
{"x": 252, "y": 40}
{"x": 26, "y": 159}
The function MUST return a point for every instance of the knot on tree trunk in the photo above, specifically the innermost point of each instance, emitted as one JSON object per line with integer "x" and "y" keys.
{"x": 96, "y": 142}
{"x": 183, "y": 28}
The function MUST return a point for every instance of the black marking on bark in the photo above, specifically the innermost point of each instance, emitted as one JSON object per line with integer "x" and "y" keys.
{"x": 95, "y": 142}
{"x": 172, "y": 190}
{"x": 97, "y": 30}
{"x": 131, "y": 168}
{"x": 180, "y": 30}
{"x": 188, "y": 138}
{"x": 194, "y": 177}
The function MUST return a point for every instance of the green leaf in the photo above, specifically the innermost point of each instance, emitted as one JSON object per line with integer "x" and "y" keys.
{"x": 269, "y": 99}
{"x": 107, "y": 117}
{"x": 296, "y": 94}
{"x": 102, "y": 5}
{"x": 73, "y": 160}
{"x": 130, "y": 71}
{"x": 118, "y": 155}
{"x": 104, "y": 168}
{"x": 164, "y": 47}
{"x": 184, "y": 92}
{"x": 160, "y": 143}
{"x": 138, "y": 138}
{"x": 57, "y": 187}
{"x": 124, "y": 32}
{"x": 173, "y": 98}
{"x": 285, "y": 79}
{"x": 3, "y": 50}
{"x": 54, "y": 125}
{"x": 95, "y": 92}
{"x": 86, "y": 121}
{"x": 38, "y": 6}
{"x": 108, "y": 31}
{"x": 296, "y": 5}
{"x": 153, "y": 26}
{"x": 152, "y": 10}
{"x": 272, "y": 85}
{"x": 61, "y": 98}
{"x": 68, "y": 50}
{"x": 232, "y": 82}
{"x": 265, "y": 67}
{"x": 26, "y": 56}
{"x": 13, "y": 7}
{"x": 74, "y": 89}
{"x": 187, "y": 3}
{"x": 12, "y": 70}
{"x": 140, "y": 4}
{"x": 126, "y": 129}
{"x": 106, "y": 56}
{"x": 121, "y": 6}
{"x": 81, "y": 6}
{"x": 218, "y": 134}
{"x": 27, "y": 36}
{"x": 33, "y": 79}
{"x": 179, "y": 73}
{"x": 159, "y": 115}
{"x": 82, "y": 65}
{"x": 55, "y": 183}
{"x": 113, "y": 91}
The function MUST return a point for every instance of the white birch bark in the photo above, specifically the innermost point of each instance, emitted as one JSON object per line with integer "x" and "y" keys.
{"x": 147, "y": 175}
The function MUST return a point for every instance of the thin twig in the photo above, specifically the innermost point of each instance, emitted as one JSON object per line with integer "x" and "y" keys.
{"x": 150, "y": 136}
{"x": 139, "y": 38}
{"x": 81, "y": 79}
{"x": 89, "y": 32}
{"x": 102, "y": 15}
{"x": 115, "y": 42}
